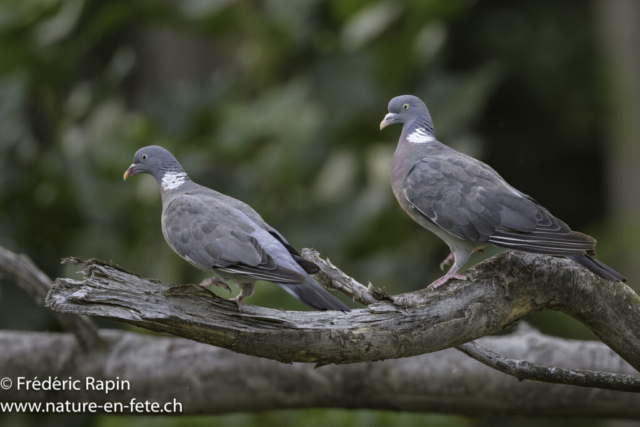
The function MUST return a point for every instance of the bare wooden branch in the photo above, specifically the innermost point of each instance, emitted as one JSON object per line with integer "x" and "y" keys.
{"x": 501, "y": 291}
{"x": 210, "y": 380}
{"x": 524, "y": 370}
{"x": 20, "y": 269}
{"x": 333, "y": 278}
{"x": 518, "y": 368}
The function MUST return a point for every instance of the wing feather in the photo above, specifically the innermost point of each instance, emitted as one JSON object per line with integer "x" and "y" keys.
{"x": 308, "y": 266}
{"x": 470, "y": 201}
{"x": 212, "y": 235}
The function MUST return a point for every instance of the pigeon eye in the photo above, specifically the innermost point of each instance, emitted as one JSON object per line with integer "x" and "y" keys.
{"x": 144, "y": 157}
{"x": 405, "y": 106}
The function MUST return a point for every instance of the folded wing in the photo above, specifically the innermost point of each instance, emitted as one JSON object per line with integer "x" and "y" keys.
{"x": 469, "y": 200}
{"x": 308, "y": 266}
{"x": 212, "y": 235}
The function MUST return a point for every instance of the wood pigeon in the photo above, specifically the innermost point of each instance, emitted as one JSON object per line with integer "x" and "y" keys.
{"x": 468, "y": 204}
{"x": 226, "y": 237}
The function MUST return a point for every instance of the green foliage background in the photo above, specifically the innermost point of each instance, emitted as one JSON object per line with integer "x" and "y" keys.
{"x": 277, "y": 103}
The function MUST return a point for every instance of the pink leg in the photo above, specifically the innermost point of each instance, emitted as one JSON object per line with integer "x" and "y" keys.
{"x": 239, "y": 300}
{"x": 214, "y": 281}
{"x": 448, "y": 260}
{"x": 460, "y": 258}
{"x": 451, "y": 274}
{"x": 246, "y": 290}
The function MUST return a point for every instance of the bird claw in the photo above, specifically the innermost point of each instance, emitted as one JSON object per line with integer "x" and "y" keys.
{"x": 214, "y": 281}
{"x": 444, "y": 279}
{"x": 239, "y": 299}
{"x": 448, "y": 260}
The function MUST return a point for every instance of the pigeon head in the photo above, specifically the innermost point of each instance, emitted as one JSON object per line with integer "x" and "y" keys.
{"x": 410, "y": 112}
{"x": 159, "y": 163}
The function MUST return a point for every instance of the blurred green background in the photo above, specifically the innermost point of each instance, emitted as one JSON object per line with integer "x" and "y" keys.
{"x": 277, "y": 103}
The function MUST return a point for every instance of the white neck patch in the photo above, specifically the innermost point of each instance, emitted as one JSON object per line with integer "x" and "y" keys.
{"x": 419, "y": 136}
{"x": 173, "y": 180}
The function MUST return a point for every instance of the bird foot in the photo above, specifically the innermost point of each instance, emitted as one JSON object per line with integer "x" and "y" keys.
{"x": 448, "y": 260}
{"x": 239, "y": 300}
{"x": 444, "y": 279}
{"x": 214, "y": 281}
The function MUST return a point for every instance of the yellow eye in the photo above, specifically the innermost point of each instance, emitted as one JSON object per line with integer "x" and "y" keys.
{"x": 144, "y": 157}
{"x": 405, "y": 106}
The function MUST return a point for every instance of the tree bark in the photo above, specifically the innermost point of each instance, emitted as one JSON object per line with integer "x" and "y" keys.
{"x": 210, "y": 380}
{"x": 501, "y": 291}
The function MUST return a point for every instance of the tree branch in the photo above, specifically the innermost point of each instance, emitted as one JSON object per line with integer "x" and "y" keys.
{"x": 210, "y": 380}
{"x": 523, "y": 370}
{"x": 21, "y": 270}
{"x": 501, "y": 291}
{"x": 334, "y": 278}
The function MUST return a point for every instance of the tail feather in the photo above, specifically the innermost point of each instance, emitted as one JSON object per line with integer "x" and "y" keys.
{"x": 598, "y": 268}
{"x": 542, "y": 242}
{"x": 311, "y": 294}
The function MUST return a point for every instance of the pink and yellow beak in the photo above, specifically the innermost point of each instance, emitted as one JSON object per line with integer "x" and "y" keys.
{"x": 388, "y": 119}
{"x": 129, "y": 172}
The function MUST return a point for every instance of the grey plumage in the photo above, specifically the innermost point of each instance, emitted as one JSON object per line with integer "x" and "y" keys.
{"x": 468, "y": 204}
{"x": 226, "y": 237}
